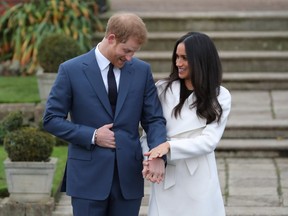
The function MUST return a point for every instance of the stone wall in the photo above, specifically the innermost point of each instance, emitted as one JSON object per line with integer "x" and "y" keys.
{"x": 12, "y": 208}
{"x": 32, "y": 112}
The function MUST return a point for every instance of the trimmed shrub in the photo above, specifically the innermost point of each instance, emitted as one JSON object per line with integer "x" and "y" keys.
{"x": 29, "y": 144}
{"x": 55, "y": 49}
{"x": 13, "y": 121}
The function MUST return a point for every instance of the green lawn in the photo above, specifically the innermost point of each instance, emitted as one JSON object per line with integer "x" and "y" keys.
{"x": 19, "y": 89}
{"x": 59, "y": 152}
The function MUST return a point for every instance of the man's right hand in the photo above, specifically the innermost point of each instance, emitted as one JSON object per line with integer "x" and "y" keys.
{"x": 105, "y": 137}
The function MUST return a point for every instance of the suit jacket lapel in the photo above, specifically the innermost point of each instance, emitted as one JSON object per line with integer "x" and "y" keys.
{"x": 93, "y": 74}
{"x": 124, "y": 85}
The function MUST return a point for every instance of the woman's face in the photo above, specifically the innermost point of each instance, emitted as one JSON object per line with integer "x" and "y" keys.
{"x": 182, "y": 65}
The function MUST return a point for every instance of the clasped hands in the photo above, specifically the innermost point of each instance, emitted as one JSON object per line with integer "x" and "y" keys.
{"x": 154, "y": 166}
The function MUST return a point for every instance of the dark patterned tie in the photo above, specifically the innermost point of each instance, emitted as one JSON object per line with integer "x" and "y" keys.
{"x": 112, "y": 88}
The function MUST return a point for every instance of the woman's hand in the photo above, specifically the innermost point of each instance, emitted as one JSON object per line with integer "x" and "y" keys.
{"x": 154, "y": 170}
{"x": 158, "y": 151}
{"x": 145, "y": 170}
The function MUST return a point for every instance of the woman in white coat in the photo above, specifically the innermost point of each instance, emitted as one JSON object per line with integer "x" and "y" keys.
{"x": 196, "y": 108}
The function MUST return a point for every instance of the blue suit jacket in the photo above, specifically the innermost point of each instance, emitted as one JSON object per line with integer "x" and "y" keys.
{"x": 79, "y": 91}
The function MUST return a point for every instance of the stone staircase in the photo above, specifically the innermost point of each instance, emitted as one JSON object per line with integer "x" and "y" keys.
{"x": 253, "y": 46}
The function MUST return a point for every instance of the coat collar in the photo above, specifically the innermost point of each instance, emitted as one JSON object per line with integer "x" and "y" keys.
{"x": 189, "y": 120}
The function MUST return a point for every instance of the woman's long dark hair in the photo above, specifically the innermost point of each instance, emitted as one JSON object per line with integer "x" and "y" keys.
{"x": 206, "y": 76}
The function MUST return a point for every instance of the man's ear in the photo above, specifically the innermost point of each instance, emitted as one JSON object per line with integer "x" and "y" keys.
{"x": 111, "y": 38}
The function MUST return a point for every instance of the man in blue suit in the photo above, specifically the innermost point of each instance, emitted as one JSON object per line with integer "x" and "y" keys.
{"x": 103, "y": 172}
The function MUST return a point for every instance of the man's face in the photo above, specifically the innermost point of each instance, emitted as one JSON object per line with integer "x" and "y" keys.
{"x": 122, "y": 52}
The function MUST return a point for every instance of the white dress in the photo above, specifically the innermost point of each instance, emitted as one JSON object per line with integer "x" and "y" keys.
{"x": 191, "y": 185}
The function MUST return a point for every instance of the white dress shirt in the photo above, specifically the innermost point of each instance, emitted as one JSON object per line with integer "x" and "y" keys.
{"x": 103, "y": 64}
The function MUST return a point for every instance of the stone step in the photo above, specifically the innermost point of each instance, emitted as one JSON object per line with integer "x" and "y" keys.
{"x": 255, "y": 129}
{"x": 258, "y": 114}
{"x": 248, "y": 81}
{"x": 245, "y": 40}
{"x": 63, "y": 206}
{"x": 232, "y": 61}
{"x": 213, "y": 21}
{"x": 252, "y": 148}
{"x": 257, "y": 211}
{"x": 256, "y": 81}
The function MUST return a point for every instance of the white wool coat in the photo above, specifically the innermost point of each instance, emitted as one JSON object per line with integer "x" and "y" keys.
{"x": 191, "y": 185}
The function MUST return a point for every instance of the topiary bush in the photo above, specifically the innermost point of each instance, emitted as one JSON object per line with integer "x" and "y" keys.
{"x": 28, "y": 144}
{"x": 12, "y": 121}
{"x": 55, "y": 49}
